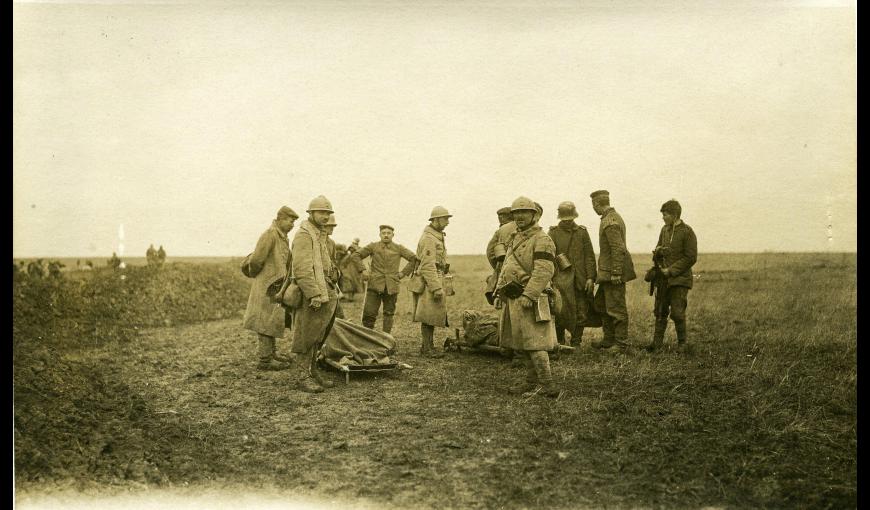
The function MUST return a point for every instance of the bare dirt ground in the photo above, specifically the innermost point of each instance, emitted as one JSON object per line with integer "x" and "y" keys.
{"x": 762, "y": 413}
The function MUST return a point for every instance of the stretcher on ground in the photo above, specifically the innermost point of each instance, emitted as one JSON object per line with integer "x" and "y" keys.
{"x": 354, "y": 349}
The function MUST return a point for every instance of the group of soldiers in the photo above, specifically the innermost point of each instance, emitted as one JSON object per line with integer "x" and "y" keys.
{"x": 543, "y": 283}
{"x": 155, "y": 258}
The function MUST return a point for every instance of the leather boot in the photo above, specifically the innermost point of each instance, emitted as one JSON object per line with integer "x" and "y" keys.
{"x": 531, "y": 381}
{"x": 541, "y": 363}
{"x": 318, "y": 376}
{"x": 388, "y": 323}
{"x": 279, "y": 357}
{"x": 306, "y": 382}
{"x": 577, "y": 336}
{"x": 658, "y": 335}
{"x": 682, "y": 335}
{"x": 428, "y": 348}
{"x": 266, "y": 353}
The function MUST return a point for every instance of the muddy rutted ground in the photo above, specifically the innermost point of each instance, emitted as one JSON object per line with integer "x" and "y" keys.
{"x": 761, "y": 414}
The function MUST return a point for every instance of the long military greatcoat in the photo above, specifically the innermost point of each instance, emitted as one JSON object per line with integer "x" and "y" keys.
{"x": 432, "y": 257}
{"x": 573, "y": 240}
{"x": 270, "y": 262}
{"x": 310, "y": 326}
{"x": 529, "y": 261}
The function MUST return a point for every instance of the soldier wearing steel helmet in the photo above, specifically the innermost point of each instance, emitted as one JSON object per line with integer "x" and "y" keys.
{"x": 615, "y": 268}
{"x": 317, "y": 277}
{"x": 575, "y": 272}
{"x": 268, "y": 264}
{"x": 526, "y": 325}
{"x": 430, "y": 304}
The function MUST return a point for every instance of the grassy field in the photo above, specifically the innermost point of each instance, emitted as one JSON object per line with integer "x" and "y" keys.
{"x": 761, "y": 414}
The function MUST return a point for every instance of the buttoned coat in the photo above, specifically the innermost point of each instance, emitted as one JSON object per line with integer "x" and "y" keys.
{"x": 269, "y": 261}
{"x": 432, "y": 260}
{"x": 681, "y": 255}
{"x": 385, "y": 259}
{"x": 614, "y": 259}
{"x": 529, "y": 262}
{"x": 311, "y": 326}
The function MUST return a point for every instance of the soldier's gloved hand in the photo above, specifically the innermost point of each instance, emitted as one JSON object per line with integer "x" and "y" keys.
{"x": 526, "y": 301}
{"x": 590, "y": 285}
{"x": 616, "y": 279}
{"x": 438, "y": 294}
{"x": 315, "y": 303}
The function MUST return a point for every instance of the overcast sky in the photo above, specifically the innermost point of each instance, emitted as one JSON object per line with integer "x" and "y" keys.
{"x": 191, "y": 124}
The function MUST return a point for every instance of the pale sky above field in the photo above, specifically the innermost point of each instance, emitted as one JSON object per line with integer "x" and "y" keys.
{"x": 190, "y": 124}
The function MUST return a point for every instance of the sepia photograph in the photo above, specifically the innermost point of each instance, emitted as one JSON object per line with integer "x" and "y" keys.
{"x": 432, "y": 254}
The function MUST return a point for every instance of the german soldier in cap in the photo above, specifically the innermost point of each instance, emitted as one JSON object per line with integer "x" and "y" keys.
{"x": 575, "y": 272}
{"x": 674, "y": 256}
{"x": 334, "y": 255}
{"x": 526, "y": 325}
{"x": 430, "y": 299}
{"x": 317, "y": 277}
{"x": 268, "y": 264}
{"x": 615, "y": 268}
{"x": 383, "y": 279}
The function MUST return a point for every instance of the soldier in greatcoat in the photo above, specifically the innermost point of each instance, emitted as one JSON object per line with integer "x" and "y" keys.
{"x": 675, "y": 254}
{"x": 383, "y": 277}
{"x": 317, "y": 277}
{"x": 269, "y": 262}
{"x": 161, "y": 256}
{"x": 575, "y": 272}
{"x": 151, "y": 256}
{"x": 430, "y": 304}
{"x": 615, "y": 268}
{"x": 526, "y": 325}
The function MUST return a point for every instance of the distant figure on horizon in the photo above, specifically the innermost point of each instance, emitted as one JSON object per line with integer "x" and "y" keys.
{"x": 114, "y": 262}
{"x": 151, "y": 256}
{"x": 161, "y": 256}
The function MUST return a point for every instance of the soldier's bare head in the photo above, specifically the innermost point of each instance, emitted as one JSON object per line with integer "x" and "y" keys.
{"x": 387, "y": 233}
{"x": 671, "y": 211}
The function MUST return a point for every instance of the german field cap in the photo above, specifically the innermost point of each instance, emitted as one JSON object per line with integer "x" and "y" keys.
{"x": 600, "y": 193}
{"x": 386, "y": 226}
{"x": 567, "y": 211}
{"x": 286, "y": 212}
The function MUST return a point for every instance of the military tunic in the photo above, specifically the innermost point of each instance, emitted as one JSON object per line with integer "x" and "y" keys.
{"x": 432, "y": 262}
{"x": 529, "y": 262}
{"x": 614, "y": 260}
{"x": 679, "y": 248}
{"x": 269, "y": 262}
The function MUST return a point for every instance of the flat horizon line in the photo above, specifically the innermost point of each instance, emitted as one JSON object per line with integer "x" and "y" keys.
{"x": 764, "y": 252}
